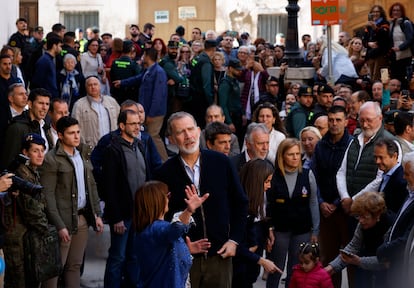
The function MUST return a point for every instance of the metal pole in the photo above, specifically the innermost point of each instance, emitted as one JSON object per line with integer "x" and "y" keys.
{"x": 329, "y": 38}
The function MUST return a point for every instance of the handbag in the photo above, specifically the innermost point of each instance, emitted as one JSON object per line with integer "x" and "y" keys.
{"x": 42, "y": 255}
{"x": 183, "y": 90}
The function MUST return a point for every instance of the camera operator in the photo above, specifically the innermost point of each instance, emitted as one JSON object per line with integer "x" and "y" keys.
{"x": 27, "y": 212}
{"x": 6, "y": 182}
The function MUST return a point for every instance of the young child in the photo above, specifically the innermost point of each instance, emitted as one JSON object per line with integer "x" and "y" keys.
{"x": 309, "y": 273}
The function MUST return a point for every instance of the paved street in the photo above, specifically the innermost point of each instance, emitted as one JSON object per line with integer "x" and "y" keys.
{"x": 97, "y": 252}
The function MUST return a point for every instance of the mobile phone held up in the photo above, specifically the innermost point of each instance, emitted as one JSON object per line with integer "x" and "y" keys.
{"x": 370, "y": 17}
{"x": 349, "y": 254}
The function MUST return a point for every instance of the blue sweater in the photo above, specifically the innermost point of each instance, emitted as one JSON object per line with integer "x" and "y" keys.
{"x": 164, "y": 259}
{"x": 45, "y": 75}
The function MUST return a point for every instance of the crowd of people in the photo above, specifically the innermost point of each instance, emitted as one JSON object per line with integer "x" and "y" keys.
{"x": 205, "y": 166}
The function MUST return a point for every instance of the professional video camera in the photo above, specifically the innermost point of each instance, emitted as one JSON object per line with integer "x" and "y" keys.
{"x": 19, "y": 183}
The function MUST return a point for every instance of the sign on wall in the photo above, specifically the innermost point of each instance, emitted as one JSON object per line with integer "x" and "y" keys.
{"x": 187, "y": 12}
{"x": 162, "y": 16}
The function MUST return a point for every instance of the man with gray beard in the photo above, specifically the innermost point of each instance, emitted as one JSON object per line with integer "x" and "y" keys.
{"x": 222, "y": 217}
{"x": 358, "y": 166}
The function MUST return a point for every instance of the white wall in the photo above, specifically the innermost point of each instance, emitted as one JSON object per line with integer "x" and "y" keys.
{"x": 114, "y": 15}
{"x": 9, "y": 14}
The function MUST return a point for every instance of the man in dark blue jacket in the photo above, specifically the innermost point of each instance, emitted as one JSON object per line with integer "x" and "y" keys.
{"x": 124, "y": 171}
{"x": 153, "y": 94}
{"x": 326, "y": 160}
{"x": 152, "y": 158}
{"x": 45, "y": 68}
{"x": 222, "y": 217}
{"x": 392, "y": 250}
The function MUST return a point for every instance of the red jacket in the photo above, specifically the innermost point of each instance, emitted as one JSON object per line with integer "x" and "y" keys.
{"x": 317, "y": 278}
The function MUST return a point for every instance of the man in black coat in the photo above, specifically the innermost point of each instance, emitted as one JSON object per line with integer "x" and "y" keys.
{"x": 391, "y": 182}
{"x": 222, "y": 217}
{"x": 392, "y": 250}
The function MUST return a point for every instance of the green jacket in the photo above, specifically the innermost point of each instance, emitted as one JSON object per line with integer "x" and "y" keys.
{"x": 229, "y": 97}
{"x": 57, "y": 175}
{"x": 19, "y": 127}
{"x": 298, "y": 118}
{"x": 170, "y": 67}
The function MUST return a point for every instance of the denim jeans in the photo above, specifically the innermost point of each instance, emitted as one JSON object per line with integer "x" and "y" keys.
{"x": 120, "y": 254}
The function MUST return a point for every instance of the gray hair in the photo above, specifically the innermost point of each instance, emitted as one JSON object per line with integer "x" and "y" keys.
{"x": 311, "y": 129}
{"x": 247, "y": 47}
{"x": 177, "y": 116}
{"x": 254, "y": 127}
{"x": 408, "y": 158}
{"x": 371, "y": 105}
{"x": 69, "y": 56}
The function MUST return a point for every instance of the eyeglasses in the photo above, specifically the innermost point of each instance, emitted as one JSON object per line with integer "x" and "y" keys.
{"x": 169, "y": 195}
{"x": 133, "y": 123}
{"x": 367, "y": 120}
{"x": 242, "y": 52}
{"x": 273, "y": 85}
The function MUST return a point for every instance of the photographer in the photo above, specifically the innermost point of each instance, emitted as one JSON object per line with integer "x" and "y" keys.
{"x": 5, "y": 183}
{"x": 26, "y": 213}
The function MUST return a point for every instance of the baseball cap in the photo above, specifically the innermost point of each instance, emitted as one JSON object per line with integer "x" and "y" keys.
{"x": 235, "y": 63}
{"x": 305, "y": 90}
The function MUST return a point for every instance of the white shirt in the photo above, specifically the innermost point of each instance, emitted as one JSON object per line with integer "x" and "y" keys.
{"x": 194, "y": 174}
{"x": 43, "y": 134}
{"x": 80, "y": 177}
{"x": 341, "y": 175}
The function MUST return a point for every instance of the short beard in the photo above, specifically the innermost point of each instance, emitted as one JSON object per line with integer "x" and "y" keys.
{"x": 191, "y": 150}
{"x": 172, "y": 55}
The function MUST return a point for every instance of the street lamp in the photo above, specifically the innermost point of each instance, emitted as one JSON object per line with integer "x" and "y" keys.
{"x": 292, "y": 51}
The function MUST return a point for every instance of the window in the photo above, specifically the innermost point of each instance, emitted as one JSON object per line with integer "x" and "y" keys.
{"x": 268, "y": 25}
{"x": 80, "y": 19}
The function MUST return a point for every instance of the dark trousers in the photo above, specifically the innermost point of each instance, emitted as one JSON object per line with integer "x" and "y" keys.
{"x": 333, "y": 235}
{"x": 211, "y": 272}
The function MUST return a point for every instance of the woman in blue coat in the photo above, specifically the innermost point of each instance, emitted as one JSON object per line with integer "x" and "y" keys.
{"x": 164, "y": 258}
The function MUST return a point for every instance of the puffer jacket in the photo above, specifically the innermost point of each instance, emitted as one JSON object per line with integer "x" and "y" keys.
{"x": 317, "y": 278}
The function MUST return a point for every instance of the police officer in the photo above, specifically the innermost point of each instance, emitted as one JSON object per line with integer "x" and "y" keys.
{"x": 174, "y": 78}
{"x": 20, "y": 39}
{"x": 202, "y": 83}
{"x": 123, "y": 68}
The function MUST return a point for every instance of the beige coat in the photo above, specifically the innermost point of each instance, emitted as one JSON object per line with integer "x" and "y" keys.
{"x": 89, "y": 120}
